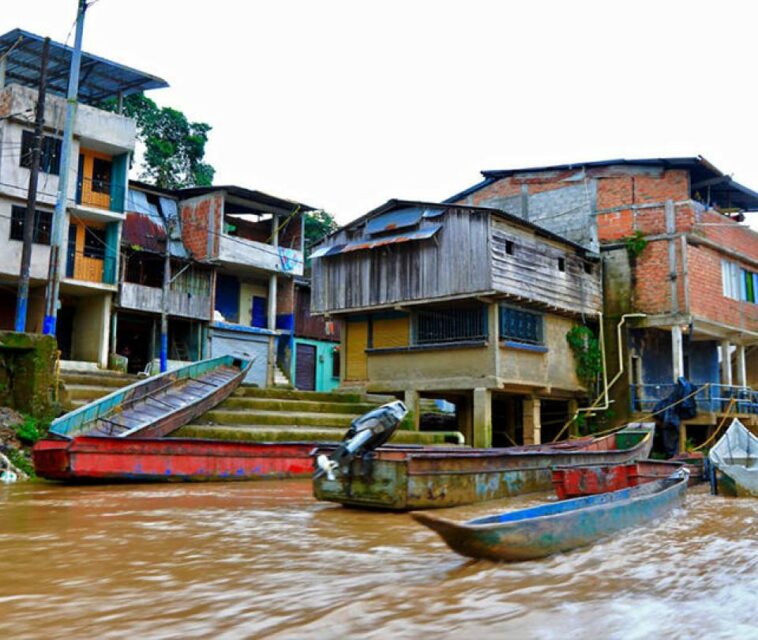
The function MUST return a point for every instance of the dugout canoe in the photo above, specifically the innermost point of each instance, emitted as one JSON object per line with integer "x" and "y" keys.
{"x": 734, "y": 462}
{"x": 528, "y": 534}
{"x": 107, "y": 459}
{"x": 403, "y": 480}
{"x": 156, "y": 406}
{"x": 574, "y": 482}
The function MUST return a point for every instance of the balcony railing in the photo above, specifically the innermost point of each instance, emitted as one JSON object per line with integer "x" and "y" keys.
{"x": 100, "y": 194}
{"x": 710, "y": 398}
{"x": 90, "y": 265}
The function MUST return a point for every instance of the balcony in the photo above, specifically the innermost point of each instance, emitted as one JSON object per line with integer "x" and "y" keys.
{"x": 90, "y": 266}
{"x": 710, "y": 398}
{"x": 236, "y": 251}
{"x": 99, "y": 199}
{"x": 180, "y": 303}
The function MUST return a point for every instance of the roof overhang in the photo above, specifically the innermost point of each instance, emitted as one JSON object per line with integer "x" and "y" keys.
{"x": 100, "y": 79}
{"x": 375, "y": 243}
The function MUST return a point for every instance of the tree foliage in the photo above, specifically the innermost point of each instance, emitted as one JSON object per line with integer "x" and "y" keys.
{"x": 174, "y": 146}
{"x": 317, "y": 225}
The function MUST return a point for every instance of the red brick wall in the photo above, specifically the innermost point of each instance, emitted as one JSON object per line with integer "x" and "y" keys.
{"x": 707, "y": 294}
{"x": 199, "y": 216}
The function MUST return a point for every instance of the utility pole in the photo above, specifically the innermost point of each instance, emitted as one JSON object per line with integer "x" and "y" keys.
{"x": 57, "y": 252}
{"x": 31, "y": 197}
{"x": 165, "y": 303}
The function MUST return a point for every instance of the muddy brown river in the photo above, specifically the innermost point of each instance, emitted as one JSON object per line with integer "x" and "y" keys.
{"x": 264, "y": 559}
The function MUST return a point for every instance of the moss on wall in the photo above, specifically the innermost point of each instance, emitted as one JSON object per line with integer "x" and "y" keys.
{"x": 27, "y": 372}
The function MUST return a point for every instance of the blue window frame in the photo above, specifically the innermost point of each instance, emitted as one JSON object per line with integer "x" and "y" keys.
{"x": 519, "y": 325}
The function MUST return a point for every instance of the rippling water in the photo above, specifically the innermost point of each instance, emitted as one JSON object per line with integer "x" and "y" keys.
{"x": 265, "y": 560}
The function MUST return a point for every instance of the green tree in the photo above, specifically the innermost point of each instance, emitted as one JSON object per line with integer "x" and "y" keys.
{"x": 317, "y": 225}
{"x": 174, "y": 146}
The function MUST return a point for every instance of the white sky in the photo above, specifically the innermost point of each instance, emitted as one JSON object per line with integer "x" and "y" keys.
{"x": 345, "y": 104}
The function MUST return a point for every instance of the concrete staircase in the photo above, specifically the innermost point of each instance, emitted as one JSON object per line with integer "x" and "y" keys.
{"x": 275, "y": 415}
{"x": 82, "y": 386}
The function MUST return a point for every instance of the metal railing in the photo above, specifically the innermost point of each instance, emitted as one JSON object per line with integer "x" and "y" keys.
{"x": 100, "y": 194}
{"x": 450, "y": 325}
{"x": 711, "y": 398}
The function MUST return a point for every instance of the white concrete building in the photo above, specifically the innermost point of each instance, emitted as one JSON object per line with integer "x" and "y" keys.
{"x": 102, "y": 145}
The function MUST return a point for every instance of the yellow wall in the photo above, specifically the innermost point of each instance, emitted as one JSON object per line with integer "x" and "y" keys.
{"x": 390, "y": 332}
{"x": 89, "y": 196}
{"x": 86, "y": 268}
{"x": 356, "y": 343}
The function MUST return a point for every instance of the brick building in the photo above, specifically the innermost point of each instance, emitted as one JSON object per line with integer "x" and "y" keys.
{"x": 674, "y": 248}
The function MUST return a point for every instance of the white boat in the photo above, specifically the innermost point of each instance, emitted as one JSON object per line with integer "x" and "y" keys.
{"x": 734, "y": 459}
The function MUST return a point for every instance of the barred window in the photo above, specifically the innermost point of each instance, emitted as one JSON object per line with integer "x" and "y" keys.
{"x": 50, "y": 156}
{"x": 435, "y": 326}
{"x": 520, "y": 326}
{"x": 43, "y": 222}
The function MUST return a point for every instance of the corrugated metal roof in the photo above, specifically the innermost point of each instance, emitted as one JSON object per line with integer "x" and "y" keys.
{"x": 359, "y": 245}
{"x": 99, "y": 78}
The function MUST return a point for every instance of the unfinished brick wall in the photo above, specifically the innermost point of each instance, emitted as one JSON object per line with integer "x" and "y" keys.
{"x": 202, "y": 223}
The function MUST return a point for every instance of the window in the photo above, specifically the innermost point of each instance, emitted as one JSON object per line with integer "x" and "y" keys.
{"x": 520, "y": 326}
{"x": 561, "y": 264}
{"x": 43, "y": 223}
{"x": 738, "y": 283}
{"x": 436, "y": 326}
{"x": 335, "y": 362}
{"x": 94, "y": 243}
{"x": 588, "y": 268}
{"x": 101, "y": 176}
{"x": 50, "y": 157}
{"x": 509, "y": 247}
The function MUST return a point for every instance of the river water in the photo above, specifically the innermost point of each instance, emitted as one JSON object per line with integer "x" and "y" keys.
{"x": 265, "y": 560}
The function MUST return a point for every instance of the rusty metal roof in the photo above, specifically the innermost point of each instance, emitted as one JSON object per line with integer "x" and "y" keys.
{"x": 358, "y": 245}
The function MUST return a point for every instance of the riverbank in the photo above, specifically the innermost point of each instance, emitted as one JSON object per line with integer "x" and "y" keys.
{"x": 18, "y": 433}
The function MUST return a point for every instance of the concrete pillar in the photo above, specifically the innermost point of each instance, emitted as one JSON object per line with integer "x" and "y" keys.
{"x": 726, "y": 363}
{"x": 2, "y": 72}
{"x": 741, "y": 366}
{"x": 482, "y": 418}
{"x": 105, "y": 332}
{"x": 677, "y": 352}
{"x": 510, "y": 419}
{"x": 465, "y": 418}
{"x": 573, "y": 406}
{"x": 532, "y": 421}
{"x": 272, "y": 284}
{"x": 412, "y": 402}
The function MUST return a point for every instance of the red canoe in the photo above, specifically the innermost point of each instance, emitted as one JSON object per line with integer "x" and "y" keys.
{"x": 89, "y": 458}
{"x": 573, "y": 482}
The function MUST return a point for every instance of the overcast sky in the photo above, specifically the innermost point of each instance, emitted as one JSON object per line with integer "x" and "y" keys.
{"x": 343, "y": 105}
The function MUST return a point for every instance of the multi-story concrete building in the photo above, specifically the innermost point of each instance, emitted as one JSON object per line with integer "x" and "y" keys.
{"x": 254, "y": 242}
{"x": 102, "y": 144}
{"x": 465, "y": 303}
{"x": 674, "y": 249}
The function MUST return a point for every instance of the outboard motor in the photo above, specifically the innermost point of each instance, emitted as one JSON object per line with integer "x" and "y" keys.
{"x": 365, "y": 434}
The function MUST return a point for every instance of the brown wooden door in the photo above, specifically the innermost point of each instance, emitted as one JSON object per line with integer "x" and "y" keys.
{"x": 305, "y": 367}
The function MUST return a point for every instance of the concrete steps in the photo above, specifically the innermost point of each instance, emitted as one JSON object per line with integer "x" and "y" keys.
{"x": 289, "y": 405}
{"x": 84, "y": 386}
{"x": 297, "y": 433}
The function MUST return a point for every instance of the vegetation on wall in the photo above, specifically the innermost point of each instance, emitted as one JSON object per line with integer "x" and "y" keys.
{"x": 174, "y": 146}
{"x": 587, "y": 355}
{"x": 635, "y": 244}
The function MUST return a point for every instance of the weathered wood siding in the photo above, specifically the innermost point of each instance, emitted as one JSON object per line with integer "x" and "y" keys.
{"x": 186, "y": 305}
{"x": 454, "y": 262}
{"x": 531, "y": 272}
{"x": 308, "y": 326}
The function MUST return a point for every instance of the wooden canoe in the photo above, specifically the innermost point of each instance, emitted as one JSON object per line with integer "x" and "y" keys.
{"x": 104, "y": 459}
{"x": 550, "y": 528}
{"x": 574, "y": 482}
{"x": 156, "y": 406}
{"x": 734, "y": 462}
{"x": 403, "y": 480}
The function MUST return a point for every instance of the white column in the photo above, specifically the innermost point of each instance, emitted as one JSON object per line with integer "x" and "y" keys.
{"x": 677, "y": 352}
{"x": 726, "y": 363}
{"x": 741, "y": 367}
{"x": 482, "y": 401}
{"x": 531, "y": 421}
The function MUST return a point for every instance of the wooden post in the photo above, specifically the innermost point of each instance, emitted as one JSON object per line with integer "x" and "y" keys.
{"x": 412, "y": 402}
{"x": 532, "y": 421}
{"x": 482, "y": 417}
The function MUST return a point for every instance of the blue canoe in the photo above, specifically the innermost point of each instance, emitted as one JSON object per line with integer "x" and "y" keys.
{"x": 154, "y": 407}
{"x": 559, "y": 526}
